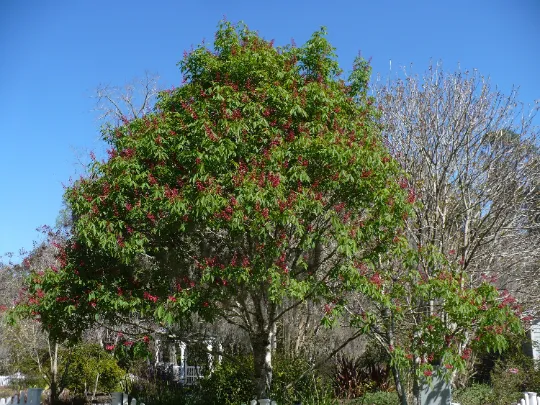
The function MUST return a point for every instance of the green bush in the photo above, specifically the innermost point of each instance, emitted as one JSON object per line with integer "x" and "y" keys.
{"x": 294, "y": 380}
{"x": 160, "y": 392}
{"x": 509, "y": 380}
{"x": 229, "y": 384}
{"x": 476, "y": 394}
{"x": 378, "y": 398}
{"x": 87, "y": 362}
{"x": 510, "y": 376}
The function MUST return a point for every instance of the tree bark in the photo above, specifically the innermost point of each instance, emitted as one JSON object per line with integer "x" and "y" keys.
{"x": 402, "y": 394}
{"x": 262, "y": 361}
{"x": 53, "y": 353}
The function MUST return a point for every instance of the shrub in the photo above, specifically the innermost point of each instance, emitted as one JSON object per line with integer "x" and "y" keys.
{"x": 349, "y": 381}
{"x": 295, "y": 380}
{"x": 230, "y": 383}
{"x": 87, "y": 362}
{"x": 157, "y": 392}
{"x": 379, "y": 398}
{"x": 476, "y": 394}
{"x": 367, "y": 373}
{"x": 509, "y": 379}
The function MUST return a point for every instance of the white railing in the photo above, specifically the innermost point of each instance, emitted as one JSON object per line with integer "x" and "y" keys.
{"x": 192, "y": 374}
{"x": 184, "y": 374}
{"x": 263, "y": 402}
{"x": 31, "y": 397}
{"x": 529, "y": 398}
{"x": 6, "y": 380}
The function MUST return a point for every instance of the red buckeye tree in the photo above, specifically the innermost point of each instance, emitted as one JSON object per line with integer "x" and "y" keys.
{"x": 261, "y": 182}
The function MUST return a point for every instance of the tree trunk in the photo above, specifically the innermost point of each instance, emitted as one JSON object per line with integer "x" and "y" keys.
{"x": 416, "y": 391}
{"x": 262, "y": 361}
{"x": 53, "y": 353}
{"x": 400, "y": 390}
{"x": 398, "y": 379}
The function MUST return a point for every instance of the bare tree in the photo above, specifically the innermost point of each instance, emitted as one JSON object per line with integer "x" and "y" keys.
{"x": 474, "y": 163}
{"x": 133, "y": 100}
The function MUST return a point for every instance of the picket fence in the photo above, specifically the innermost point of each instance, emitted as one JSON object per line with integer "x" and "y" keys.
{"x": 31, "y": 397}
{"x": 121, "y": 398}
{"x": 529, "y": 398}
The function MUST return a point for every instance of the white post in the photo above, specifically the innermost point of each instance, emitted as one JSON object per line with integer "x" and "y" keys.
{"x": 264, "y": 401}
{"x": 116, "y": 398}
{"x": 172, "y": 354}
{"x": 253, "y": 402}
{"x": 34, "y": 396}
{"x": 182, "y": 346}
{"x": 220, "y": 357}
{"x": 133, "y": 401}
{"x": 125, "y": 399}
{"x": 157, "y": 345}
{"x": 526, "y": 397}
{"x": 532, "y": 398}
{"x": 210, "y": 356}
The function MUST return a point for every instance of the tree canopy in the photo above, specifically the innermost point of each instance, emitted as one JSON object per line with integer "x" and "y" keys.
{"x": 263, "y": 177}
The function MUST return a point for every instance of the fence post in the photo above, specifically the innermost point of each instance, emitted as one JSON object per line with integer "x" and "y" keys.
{"x": 116, "y": 398}
{"x": 34, "y": 396}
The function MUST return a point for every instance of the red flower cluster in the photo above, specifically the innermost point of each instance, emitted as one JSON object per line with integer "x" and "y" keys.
{"x": 150, "y": 297}
{"x": 466, "y": 354}
{"x": 376, "y": 279}
{"x": 274, "y": 179}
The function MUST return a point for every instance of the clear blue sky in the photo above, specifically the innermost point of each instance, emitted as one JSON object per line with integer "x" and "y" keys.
{"x": 53, "y": 54}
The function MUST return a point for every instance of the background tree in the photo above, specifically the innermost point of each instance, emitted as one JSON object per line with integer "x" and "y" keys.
{"x": 473, "y": 159}
{"x": 133, "y": 100}
{"x": 256, "y": 185}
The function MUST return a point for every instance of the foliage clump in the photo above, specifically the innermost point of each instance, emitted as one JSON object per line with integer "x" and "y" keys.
{"x": 88, "y": 367}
